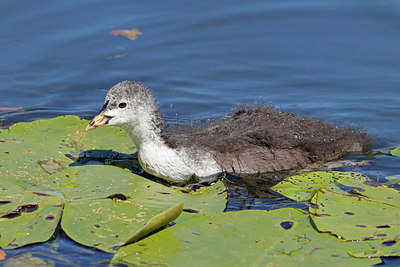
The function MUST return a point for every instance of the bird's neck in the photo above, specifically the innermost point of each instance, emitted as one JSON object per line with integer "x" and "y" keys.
{"x": 155, "y": 156}
{"x": 146, "y": 128}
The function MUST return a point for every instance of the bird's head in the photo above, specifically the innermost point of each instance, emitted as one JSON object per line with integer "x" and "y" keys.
{"x": 125, "y": 103}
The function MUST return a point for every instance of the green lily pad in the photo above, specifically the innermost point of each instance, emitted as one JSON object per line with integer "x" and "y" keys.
{"x": 101, "y": 206}
{"x": 281, "y": 237}
{"x": 28, "y": 148}
{"x": 302, "y": 187}
{"x": 350, "y": 206}
{"x": 118, "y": 219}
{"x": 379, "y": 248}
{"x": 354, "y": 218}
{"x": 25, "y": 216}
{"x": 377, "y": 192}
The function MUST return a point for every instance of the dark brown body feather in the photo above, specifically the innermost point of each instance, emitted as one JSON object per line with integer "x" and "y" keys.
{"x": 263, "y": 139}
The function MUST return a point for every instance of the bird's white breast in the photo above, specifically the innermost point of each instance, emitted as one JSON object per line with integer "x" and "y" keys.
{"x": 176, "y": 165}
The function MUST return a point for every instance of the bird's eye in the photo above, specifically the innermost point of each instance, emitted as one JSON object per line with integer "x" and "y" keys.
{"x": 122, "y": 105}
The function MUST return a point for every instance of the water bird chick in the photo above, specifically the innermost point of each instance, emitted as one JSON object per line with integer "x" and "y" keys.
{"x": 253, "y": 139}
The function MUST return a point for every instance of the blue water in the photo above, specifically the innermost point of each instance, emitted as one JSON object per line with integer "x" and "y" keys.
{"x": 338, "y": 61}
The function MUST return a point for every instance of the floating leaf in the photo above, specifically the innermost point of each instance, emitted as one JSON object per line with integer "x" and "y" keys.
{"x": 131, "y": 34}
{"x": 26, "y": 217}
{"x": 375, "y": 192}
{"x": 350, "y": 206}
{"x": 157, "y": 222}
{"x": 101, "y": 206}
{"x": 353, "y": 217}
{"x": 378, "y": 248}
{"x": 302, "y": 187}
{"x": 395, "y": 151}
{"x": 2, "y": 255}
{"x": 248, "y": 238}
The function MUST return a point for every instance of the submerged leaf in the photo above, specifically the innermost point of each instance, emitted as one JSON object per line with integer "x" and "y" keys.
{"x": 51, "y": 166}
{"x": 392, "y": 180}
{"x": 25, "y": 259}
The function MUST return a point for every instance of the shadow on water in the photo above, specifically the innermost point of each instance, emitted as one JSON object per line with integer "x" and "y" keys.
{"x": 113, "y": 158}
{"x": 57, "y": 251}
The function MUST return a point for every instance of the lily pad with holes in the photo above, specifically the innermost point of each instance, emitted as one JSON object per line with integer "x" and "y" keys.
{"x": 105, "y": 221}
{"x": 354, "y": 217}
{"x": 280, "y": 237}
{"x": 350, "y": 206}
{"x": 26, "y": 216}
{"x": 378, "y": 248}
{"x": 100, "y": 206}
{"x": 373, "y": 216}
{"x": 302, "y": 187}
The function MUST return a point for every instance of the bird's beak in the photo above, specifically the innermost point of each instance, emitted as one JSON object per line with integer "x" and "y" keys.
{"x": 99, "y": 120}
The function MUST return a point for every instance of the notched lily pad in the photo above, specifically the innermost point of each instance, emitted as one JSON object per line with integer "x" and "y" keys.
{"x": 25, "y": 219}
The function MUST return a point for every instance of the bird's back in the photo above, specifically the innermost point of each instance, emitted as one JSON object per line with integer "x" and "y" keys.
{"x": 257, "y": 139}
